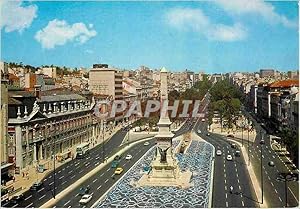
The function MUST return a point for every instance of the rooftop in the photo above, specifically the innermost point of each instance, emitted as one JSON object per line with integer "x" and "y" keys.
{"x": 284, "y": 84}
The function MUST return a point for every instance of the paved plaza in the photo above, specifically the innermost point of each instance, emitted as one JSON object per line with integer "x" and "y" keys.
{"x": 198, "y": 159}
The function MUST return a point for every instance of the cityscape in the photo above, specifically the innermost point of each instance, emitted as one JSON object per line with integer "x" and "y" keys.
{"x": 151, "y": 104}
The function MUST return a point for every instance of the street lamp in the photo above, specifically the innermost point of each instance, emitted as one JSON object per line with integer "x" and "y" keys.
{"x": 285, "y": 177}
{"x": 53, "y": 154}
{"x": 103, "y": 133}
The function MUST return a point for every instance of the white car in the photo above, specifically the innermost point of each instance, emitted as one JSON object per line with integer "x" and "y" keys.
{"x": 203, "y": 120}
{"x": 146, "y": 143}
{"x": 85, "y": 199}
{"x": 229, "y": 157}
{"x": 128, "y": 157}
{"x": 219, "y": 152}
{"x": 199, "y": 131}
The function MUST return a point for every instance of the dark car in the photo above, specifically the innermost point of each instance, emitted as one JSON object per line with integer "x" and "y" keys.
{"x": 237, "y": 153}
{"x": 17, "y": 198}
{"x": 36, "y": 186}
{"x": 115, "y": 163}
{"x": 233, "y": 146}
{"x": 230, "y": 136}
{"x": 84, "y": 190}
{"x": 118, "y": 157}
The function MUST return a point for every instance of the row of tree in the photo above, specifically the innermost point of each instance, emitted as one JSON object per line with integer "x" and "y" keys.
{"x": 226, "y": 100}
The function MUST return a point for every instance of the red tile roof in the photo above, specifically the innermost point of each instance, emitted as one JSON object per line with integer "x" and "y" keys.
{"x": 284, "y": 84}
{"x": 13, "y": 77}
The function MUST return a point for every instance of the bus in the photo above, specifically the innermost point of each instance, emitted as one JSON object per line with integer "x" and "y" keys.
{"x": 82, "y": 149}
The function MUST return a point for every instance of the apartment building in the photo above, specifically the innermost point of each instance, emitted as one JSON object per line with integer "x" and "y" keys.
{"x": 104, "y": 80}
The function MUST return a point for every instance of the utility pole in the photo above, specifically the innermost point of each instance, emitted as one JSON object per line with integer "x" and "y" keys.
{"x": 261, "y": 172}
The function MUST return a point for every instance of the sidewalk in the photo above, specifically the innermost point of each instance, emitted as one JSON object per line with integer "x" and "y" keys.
{"x": 29, "y": 175}
{"x": 237, "y": 133}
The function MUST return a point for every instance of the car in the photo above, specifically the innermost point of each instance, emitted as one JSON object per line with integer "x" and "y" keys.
{"x": 271, "y": 163}
{"x": 233, "y": 146}
{"x": 115, "y": 163}
{"x": 85, "y": 199}
{"x": 84, "y": 190}
{"x": 128, "y": 157}
{"x": 117, "y": 157}
{"x": 208, "y": 134}
{"x": 118, "y": 171}
{"x": 229, "y": 157}
{"x": 203, "y": 120}
{"x": 199, "y": 131}
{"x": 237, "y": 153}
{"x": 17, "y": 198}
{"x": 36, "y": 186}
{"x": 230, "y": 136}
{"x": 146, "y": 143}
{"x": 219, "y": 152}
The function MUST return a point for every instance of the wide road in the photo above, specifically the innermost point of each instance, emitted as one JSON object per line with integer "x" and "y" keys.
{"x": 274, "y": 190}
{"x": 69, "y": 173}
{"x": 229, "y": 173}
{"x": 103, "y": 180}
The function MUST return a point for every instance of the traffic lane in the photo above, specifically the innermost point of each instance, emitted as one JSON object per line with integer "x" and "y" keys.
{"x": 69, "y": 173}
{"x": 102, "y": 181}
{"x": 272, "y": 174}
{"x": 241, "y": 175}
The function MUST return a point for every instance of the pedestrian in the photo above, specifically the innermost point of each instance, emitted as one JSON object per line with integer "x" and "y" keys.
{"x": 23, "y": 174}
{"x": 231, "y": 189}
{"x": 14, "y": 179}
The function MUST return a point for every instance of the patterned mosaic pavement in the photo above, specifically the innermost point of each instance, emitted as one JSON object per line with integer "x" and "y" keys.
{"x": 198, "y": 159}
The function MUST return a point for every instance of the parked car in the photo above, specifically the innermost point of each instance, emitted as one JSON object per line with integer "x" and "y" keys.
{"x": 128, "y": 157}
{"x": 233, "y": 146}
{"x": 146, "y": 143}
{"x": 208, "y": 134}
{"x": 229, "y": 157}
{"x": 203, "y": 120}
{"x": 219, "y": 152}
{"x": 199, "y": 131}
{"x": 36, "y": 186}
{"x": 84, "y": 190}
{"x": 271, "y": 163}
{"x": 237, "y": 153}
{"x": 118, "y": 171}
{"x": 85, "y": 199}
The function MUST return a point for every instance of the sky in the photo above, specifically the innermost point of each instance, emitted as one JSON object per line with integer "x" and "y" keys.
{"x": 211, "y": 36}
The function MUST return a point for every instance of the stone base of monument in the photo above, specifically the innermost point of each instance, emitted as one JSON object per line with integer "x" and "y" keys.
{"x": 165, "y": 175}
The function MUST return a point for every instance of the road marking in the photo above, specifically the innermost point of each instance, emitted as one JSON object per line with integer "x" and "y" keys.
{"x": 276, "y": 191}
{"x": 99, "y": 187}
{"x": 235, "y": 169}
{"x": 224, "y": 170}
{"x": 106, "y": 181}
{"x": 70, "y": 172}
{"x": 28, "y": 197}
{"x": 269, "y": 178}
{"x": 238, "y": 180}
{"x": 67, "y": 203}
{"x": 237, "y": 175}
{"x": 92, "y": 193}
{"x": 224, "y": 175}
{"x": 101, "y": 174}
{"x": 61, "y": 177}
{"x": 42, "y": 197}
{"x": 41, "y": 189}
{"x": 240, "y": 187}
{"x": 293, "y": 194}
{"x": 280, "y": 199}
{"x": 70, "y": 206}
{"x": 50, "y": 183}
{"x": 243, "y": 203}
{"x": 270, "y": 151}
{"x": 76, "y": 194}
{"x": 225, "y": 181}
{"x": 95, "y": 180}
{"x": 45, "y": 179}
{"x": 226, "y": 204}
{"x": 226, "y": 195}
{"x": 272, "y": 184}
{"x": 97, "y": 164}
{"x": 81, "y": 171}
{"x": 235, "y": 164}
{"x": 63, "y": 169}
{"x": 58, "y": 171}
{"x": 15, "y": 205}
{"x": 273, "y": 156}
{"x": 225, "y": 188}
{"x": 107, "y": 169}
{"x": 72, "y": 176}
{"x": 64, "y": 182}
{"x": 29, "y": 205}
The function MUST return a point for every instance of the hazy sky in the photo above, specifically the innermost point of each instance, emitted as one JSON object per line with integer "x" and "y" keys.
{"x": 214, "y": 36}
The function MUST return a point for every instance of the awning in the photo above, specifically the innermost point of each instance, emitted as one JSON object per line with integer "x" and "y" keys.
{"x": 6, "y": 165}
